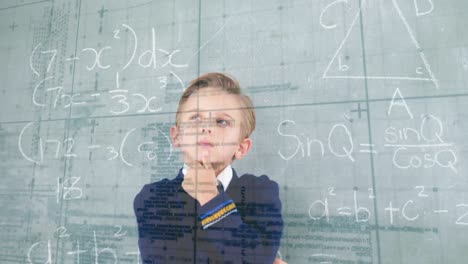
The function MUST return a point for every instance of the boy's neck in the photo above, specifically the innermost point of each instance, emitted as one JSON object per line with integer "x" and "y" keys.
{"x": 218, "y": 168}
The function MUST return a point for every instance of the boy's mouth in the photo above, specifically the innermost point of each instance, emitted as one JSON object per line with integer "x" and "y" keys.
{"x": 205, "y": 143}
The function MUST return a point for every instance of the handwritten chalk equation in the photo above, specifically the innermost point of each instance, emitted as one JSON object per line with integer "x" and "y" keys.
{"x": 340, "y": 144}
{"x": 66, "y": 148}
{"x": 47, "y": 93}
{"x": 408, "y": 211}
{"x": 94, "y": 58}
{"x": 420, "y": 146}
{"x": 43, "y": 251}
{"x": 122, "y": 101}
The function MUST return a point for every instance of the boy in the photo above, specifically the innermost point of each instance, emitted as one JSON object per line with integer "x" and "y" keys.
{"x": 208, "y": 214}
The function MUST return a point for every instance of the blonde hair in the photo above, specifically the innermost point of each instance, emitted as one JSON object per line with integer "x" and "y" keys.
{"x": 229, "y": 85}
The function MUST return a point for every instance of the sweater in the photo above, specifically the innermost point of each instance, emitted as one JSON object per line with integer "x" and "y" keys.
{"x": 240, "y": 225}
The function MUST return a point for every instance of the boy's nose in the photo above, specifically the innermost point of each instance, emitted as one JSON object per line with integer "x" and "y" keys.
{"x": 206, "y": 131}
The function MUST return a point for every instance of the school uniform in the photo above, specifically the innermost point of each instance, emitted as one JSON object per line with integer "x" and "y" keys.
{"x": 242, "y": 224}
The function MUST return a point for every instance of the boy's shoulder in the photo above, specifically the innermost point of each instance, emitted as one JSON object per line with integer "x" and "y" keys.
{"x": 247, "y": 182}
{"x": 256, "y": 187}
{"x": 254, "y": 180}
{"x": 150, "y": 190}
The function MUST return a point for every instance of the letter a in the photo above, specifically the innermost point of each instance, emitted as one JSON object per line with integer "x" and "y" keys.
{"x": 400, "y": 102}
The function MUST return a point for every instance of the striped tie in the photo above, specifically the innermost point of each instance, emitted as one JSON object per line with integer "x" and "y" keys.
{"x": 220, "y": 186}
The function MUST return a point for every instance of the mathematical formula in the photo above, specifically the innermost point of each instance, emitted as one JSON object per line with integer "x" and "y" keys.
{"x": 42, "y": 60}
{"x": 408, "y": 211}
{"x": 422, "y": 146}
{"x": 65, "y": 148}
{"x": 39, "y": 248}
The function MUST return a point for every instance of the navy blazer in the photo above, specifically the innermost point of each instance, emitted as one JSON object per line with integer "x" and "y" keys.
{"x": 242, "y": 225}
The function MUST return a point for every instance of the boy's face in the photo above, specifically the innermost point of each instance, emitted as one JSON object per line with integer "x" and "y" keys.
{"x": 210, "y": 120}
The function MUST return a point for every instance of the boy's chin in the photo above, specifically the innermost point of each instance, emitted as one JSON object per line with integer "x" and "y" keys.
{"x": 215, "y": 163}
{"x": 198, "y": 158}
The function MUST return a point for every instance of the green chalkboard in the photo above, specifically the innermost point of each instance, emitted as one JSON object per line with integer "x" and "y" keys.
{"x": 361, "y": 120}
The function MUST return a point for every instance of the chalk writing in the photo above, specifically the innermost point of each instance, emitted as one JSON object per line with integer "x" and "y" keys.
{"x": 66, "y": 147}
{"x": 417, "y": 147}
{"x": 344, "y": 68}
{"x": 95, "y": 252}
{"x": 410, "y": 210}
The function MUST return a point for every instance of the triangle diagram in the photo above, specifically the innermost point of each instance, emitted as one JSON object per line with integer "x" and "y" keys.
{"x": 404, "y": 59}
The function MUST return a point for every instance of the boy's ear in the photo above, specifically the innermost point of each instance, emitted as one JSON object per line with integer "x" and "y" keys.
{"x": 175, "y": 136}
{"x": 244, "y": 147}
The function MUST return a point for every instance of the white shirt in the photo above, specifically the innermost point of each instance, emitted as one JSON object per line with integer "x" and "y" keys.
{"x": 224, "y": 177}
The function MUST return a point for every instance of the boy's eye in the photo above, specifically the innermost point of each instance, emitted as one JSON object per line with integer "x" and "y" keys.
{"x": 195, "y": 117}
{"x": 219, "y": 121}
{"x": 223, "y": 122}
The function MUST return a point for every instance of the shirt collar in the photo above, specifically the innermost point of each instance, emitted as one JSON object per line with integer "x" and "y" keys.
{"x": 224, "y": 176}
